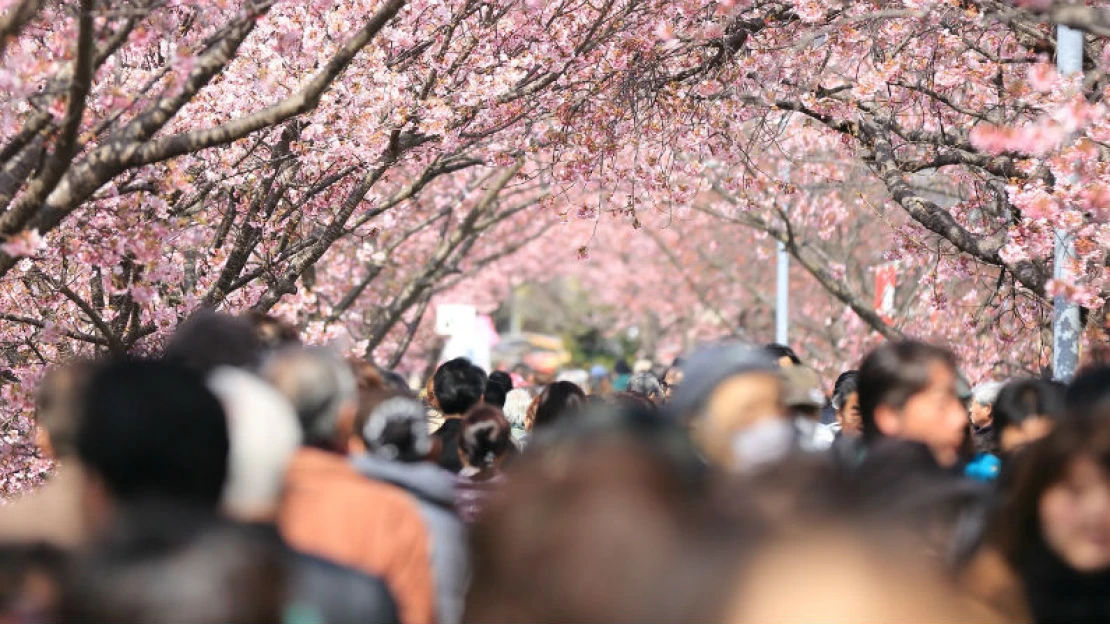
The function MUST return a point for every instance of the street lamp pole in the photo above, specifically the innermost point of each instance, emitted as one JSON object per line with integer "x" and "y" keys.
{"x": 1065, "y": 314}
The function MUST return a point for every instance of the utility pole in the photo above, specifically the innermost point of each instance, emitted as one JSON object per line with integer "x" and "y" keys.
{"x": 1065, "y": 314}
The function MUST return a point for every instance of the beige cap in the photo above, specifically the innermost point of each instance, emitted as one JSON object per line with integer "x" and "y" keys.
{"x": 801, "y": 387}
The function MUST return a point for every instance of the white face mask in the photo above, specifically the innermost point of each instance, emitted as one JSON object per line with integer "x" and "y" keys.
{"x": 768, "y": 441}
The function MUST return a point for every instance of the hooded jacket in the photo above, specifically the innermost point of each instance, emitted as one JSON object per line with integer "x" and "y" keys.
{"x": 433, "y": 488}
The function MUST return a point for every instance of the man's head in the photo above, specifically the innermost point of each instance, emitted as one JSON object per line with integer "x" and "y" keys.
{"x": 728, "y": 390}
{"x": 803, "y": 394}
{"x": 983, "y": 397}
{"x": 458, "y": 386}
{"x": 908, "y": 390}
{"x": 264, "y": 434}
{"x": 57, "y": 409}
{"x": 322, "y": 390}
{"x": 209, "y": 339}
{"x": 151, "y": 430}
{"x": 497, "y": 387}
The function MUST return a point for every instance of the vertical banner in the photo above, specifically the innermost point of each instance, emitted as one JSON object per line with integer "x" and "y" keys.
{"x": 886, "y": 282}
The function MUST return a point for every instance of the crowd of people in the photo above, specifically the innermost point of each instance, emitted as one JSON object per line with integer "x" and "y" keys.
{"x": 244, "y": 477}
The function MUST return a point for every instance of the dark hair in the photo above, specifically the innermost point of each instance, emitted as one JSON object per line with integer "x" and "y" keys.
{"x": 135, "y": 574}
{"x": 1089, "y": 393}
{"x": 558, "y": 401}
{"x": 394, "y": 380}
{"x": 486, "y": 435}
{"x": 631, "y": 400}
{"x": 271, "y": 332}
{"x": 647, "y": 385}
{"x": 778, "y": 351}
{"x": 1026, "y": 398}
{"x": 497, "y": 388}
{"x": 892, "y": 374}
{"x": 846, "y": 384}
{"x": 154, "y": 430}
{"x": 458, "y": 386}
{"x": 58, "y": 405}
{"x": 1054, "y": 590}
{"x": 208, "y": 340}
{"x": 622, "y": 368}
{"x": 503, "y": 378}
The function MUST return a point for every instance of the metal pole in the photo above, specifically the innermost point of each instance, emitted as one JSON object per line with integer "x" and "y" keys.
{"x": 782, "y": 299}
{"x": 1065, "y": 314}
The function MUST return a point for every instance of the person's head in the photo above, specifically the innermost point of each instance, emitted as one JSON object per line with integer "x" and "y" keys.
{"x": 1061, "y": 499}
{"x": 783, "y": 355}
{"x": 176, "y": 565}
{"x": 646, "y": 385}
{"x": 517, "y": 402}
{"x": 845, "y": 401}
{"x": 730, "y": 390}
{"x": 503, "y": 378}
{"x": 1025, "y": 411}
{"x": 57, "y": 409}
{"x": 1088, "y": 395}
{"x": 486, "y": 438}
{"x": 264, "y": 434}
{"x": 322, "y": 390}
{"x": 151, "y": 430}
{"x": 397, "y": 430}
{"x": 496, "y": 391}
{"x": 458, "y": 386}
{"x": 558, "y": 401}
{"x": 209, "y": 339}
{"x": 908, "y": 390}
{"x": 394, "y": 381}
{"x": 803, "y": 393}
{"x": 672, "y": 380}
{"x": 621, "y": 367}
{"x": 273, "y": 333}
{"x": 983, "y": 397}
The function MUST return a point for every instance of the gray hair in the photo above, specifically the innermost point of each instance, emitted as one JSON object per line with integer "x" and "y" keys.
{"x": 318, "y": 384}
{"x": 517, "y": 402}
{"x": 987, "y": 393}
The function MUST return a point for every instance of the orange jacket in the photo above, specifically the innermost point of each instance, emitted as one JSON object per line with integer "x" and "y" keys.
{"x": 331, "y": 511}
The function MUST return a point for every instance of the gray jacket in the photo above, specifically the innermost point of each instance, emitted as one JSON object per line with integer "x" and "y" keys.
{"x": 434, "y": 490}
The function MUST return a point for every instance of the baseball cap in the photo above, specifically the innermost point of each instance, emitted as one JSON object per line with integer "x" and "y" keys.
{"x": 707, "y": 367}
{"x": 801, "y": 387}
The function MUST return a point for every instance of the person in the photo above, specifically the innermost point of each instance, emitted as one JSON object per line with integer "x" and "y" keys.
{"x": 328, "y": 508}
{"x": 177, "y": 565}
{"x": 32, "y": 576}
{"x": 271, "y": 332}
{"x": 399, "y": 451}
{"x": 1025, "y": 411}
{"x": 264, "y": 434}
{"x": 209, "y": 339}
{"x": 672, "y": 379}
{"x": 485, "y": 445}
{"x": 517, "y": 403}
{"x": 908, "y": 390}
{"x": 498, "y": 386}
{"x": 622, "y": 373}
{"x": 458, "y": 386}
{"x": 647, "y": 385}
{"x": 150, "y": 431}
{"x": 731, "y": 397}
{"x": 1054, "y": 529}
{"x": 804, "y": 398}
{"x": 558, "y": 402}
{"x": 783, "y": 355}
{"x": 983, "y": 398}
{"x": 845, "y": 402}
{"x": 52, "y": 514}
{"x": 1088, "y": 395}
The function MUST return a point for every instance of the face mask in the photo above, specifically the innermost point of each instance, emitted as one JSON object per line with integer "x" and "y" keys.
{"x": 761, "y": 444}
